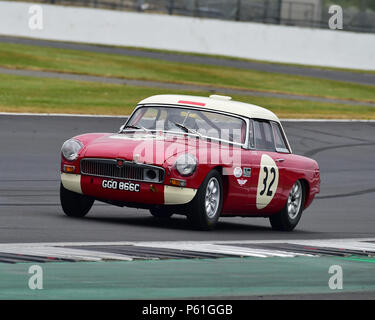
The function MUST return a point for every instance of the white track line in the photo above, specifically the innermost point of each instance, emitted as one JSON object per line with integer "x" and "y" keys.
{"x": 153, "y": 243}
{"x": 62, "y": 250}
{"x": 61, "y": 115}
{"x": 125, "y": 116}
{"x": 223, "y": 249}
{"x": 337, "y": 244}
{"x": 327, "y": 120}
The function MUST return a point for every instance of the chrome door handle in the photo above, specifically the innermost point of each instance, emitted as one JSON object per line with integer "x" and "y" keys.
{"x": 280, "y": 160}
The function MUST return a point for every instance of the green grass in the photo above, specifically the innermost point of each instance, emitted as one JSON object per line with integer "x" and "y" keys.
{"x": 217, "y": 56}
{"x": 82, "y": 62}
{"x": 29, "y": 94}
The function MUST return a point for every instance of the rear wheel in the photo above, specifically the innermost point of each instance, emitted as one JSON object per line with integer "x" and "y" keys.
{"x": 74, "y": 204}
{"x": 205, "y": 208}
{"x": 161, "y": 213}
{"x": 288, "y": 218}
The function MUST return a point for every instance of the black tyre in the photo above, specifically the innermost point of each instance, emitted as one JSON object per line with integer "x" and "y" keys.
{"x": 161, "y": 212}
{"x": 288, "y": 218}
{"x": 75, "y": 204}
{"x": 205, "y": 208}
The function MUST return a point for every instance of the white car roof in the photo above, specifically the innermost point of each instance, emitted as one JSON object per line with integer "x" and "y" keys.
{"x": 214, "y": 102}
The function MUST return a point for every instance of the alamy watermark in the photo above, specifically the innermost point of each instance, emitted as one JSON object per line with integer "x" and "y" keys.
{"x": 36, "y": 17}
{"x": 335, "y": 282}
{"x": 336, "y": 22}
{"x": 36, "y": 280}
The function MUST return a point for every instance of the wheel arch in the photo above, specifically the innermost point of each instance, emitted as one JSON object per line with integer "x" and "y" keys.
{"x": 306, "y": 189}
{"x": 225, "y": 180}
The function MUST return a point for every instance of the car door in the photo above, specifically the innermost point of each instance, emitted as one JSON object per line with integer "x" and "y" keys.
{"x": 253, "y": 183}
{"x": 256, "y": 185}
{"x": 270, "y": 172}
{"x": 246, "y": 176}
{"x": 241, "y": 175}
{"x": 284, "y": 161}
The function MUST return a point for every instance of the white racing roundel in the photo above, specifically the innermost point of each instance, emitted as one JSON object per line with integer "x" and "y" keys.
{"x": 237, "y": 172}
{"x": 268, "y": 181}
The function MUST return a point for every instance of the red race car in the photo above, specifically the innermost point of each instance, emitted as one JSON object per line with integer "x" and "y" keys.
{"x": 197, "y": 156}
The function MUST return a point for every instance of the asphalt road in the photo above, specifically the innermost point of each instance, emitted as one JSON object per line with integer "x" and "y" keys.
{"x": 29, "y": 182}
{"x": 346, "y": 76}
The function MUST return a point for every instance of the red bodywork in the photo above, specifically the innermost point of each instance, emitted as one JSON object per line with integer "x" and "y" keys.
{"x": 238, "y": 199}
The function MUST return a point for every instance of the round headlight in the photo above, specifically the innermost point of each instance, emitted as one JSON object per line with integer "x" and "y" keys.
{"x": 186, "y": 164}
{"x": 70, "y": 149}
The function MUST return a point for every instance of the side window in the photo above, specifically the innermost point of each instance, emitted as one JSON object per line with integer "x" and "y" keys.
{"x": 263, "y": 135}
{"x": 280, "y": 143}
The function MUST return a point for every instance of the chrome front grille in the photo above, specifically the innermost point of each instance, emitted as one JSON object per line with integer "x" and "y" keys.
{"x": 108, "y": 168}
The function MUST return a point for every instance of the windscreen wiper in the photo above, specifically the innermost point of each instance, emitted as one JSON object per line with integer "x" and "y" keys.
{"x": 135, "y": 127}
{"x": 186, "y": 129}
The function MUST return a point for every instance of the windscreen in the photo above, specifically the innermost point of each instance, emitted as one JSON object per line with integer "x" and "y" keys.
{"x": 184, "y": 120}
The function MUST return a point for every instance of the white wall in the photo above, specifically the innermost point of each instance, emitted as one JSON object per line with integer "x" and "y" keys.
{"x": 238, "y": 39}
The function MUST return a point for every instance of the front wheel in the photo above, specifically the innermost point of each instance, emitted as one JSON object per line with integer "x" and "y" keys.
{"x": 205, "y": 208}
{"x": 74, "y": 204}
{"x": 288, "y": 218}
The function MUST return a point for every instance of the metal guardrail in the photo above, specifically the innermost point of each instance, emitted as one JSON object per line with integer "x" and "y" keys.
{"x": 305, "y": 13}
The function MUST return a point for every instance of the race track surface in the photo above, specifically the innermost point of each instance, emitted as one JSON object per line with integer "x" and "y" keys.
{"x": 29, "y": 184}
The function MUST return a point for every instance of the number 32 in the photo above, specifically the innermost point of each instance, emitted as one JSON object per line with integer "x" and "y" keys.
{"x": 269, "y": 191}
